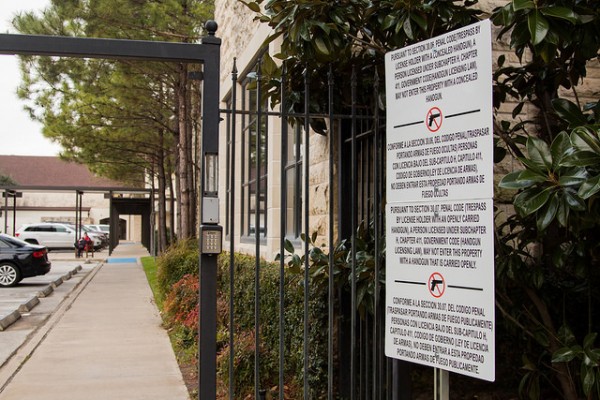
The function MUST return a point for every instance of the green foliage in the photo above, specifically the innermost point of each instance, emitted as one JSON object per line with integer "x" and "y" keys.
{"x": 179, "y": 260}
{"x": 150, "y": 268}
{"x": 547, "y": 262}
{"x": 559, "y": 38}
{"x": 181, "y": 310}
{"x": 347, "y": 36}
{"x": 244, "y": 322}
{"x": 180, "y": 286}
{"x": 342, "y": 269}
{"x": 7, "y": 181}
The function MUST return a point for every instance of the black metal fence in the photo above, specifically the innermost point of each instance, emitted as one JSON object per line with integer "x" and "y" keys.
{"x": 356, "y": 366}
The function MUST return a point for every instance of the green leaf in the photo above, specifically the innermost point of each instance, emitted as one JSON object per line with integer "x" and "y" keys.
{"x": 560, "y": 12}
{"x": 539, "y": 153}
{"x": 531, "y": 200}
{"x": 288, "y": 246}
{"x": 575, "y": 202}
{"x": 522, "y": 5}
{"x": 512, "y": 181}
{"x": 538, "y": 27}
{"x": 388, "y": 22}
{"x": 581, "y": 158}
{"x": 589, "y": 379}
{"x": 253, "y": 6}
{"x": 321, "y": 46}
{"x": 407, "y": 26}
{"x": 573, "y": 176}
{"x": 561, "y": 147}
{"x": 569, "y": 111}
{"x": 546, "y": 215}
{"x": 585, "y": 139}
{"x": 565, "y": 354}
{"x": 562, "y": 214}
{"x": 268, "y": 67}
{"x": 589, "y": 188}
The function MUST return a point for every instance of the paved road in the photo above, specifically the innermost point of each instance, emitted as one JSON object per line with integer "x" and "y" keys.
{"x": 27, "y": 306}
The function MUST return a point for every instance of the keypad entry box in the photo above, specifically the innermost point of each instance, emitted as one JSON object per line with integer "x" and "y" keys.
{"x": 211, "y": 239}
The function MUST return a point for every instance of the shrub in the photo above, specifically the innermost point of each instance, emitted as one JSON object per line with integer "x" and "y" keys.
{"x": 180, "y": 259}
{"x": 178, "y": 279}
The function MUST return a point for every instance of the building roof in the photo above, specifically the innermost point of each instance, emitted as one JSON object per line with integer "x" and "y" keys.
{"x": 51, "y": 172}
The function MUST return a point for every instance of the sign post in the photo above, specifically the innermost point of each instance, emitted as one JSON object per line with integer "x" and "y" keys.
{"x": 439, "y": 239}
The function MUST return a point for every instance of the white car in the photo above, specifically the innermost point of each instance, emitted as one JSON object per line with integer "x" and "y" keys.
{"x": 53, "y": 235}
{"x": 100, "y": 228}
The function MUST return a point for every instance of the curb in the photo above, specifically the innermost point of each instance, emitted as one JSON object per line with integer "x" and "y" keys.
{"x": 27, "y": 306}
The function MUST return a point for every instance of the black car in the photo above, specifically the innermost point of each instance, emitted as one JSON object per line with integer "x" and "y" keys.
{"x": 19, "y": 259}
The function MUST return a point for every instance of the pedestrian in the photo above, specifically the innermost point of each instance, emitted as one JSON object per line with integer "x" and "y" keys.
{"x": 89, "y": 244}
{"x": 79, "y": 247}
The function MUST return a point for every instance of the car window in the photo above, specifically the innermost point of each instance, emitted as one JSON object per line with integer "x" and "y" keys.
{"x": 3, "y": 245}
{"x": 10, "y": 241}
{"x": 59, "y": 228}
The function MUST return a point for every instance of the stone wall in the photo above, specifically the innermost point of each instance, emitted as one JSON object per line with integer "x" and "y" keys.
{"x": 242, "y": 38}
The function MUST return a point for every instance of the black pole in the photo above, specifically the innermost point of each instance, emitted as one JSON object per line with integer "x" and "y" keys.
{"x": 14, "y": 212}
{"x": 5, "y": 211}
{"x": 231, "y": 177}
{"x": 207, "y": 275}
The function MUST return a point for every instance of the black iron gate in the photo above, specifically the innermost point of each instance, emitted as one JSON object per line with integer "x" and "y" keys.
{"x": 351, "y": 309}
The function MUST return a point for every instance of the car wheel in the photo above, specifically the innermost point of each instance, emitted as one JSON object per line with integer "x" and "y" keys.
{"x": 9, "y": 275}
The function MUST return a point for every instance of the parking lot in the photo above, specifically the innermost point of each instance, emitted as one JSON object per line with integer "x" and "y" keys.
{"x": 28, "y": 305}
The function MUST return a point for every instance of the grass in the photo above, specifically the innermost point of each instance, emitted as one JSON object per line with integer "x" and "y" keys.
{"x": 149, "y": 265}
{"x": 185, "y": 354}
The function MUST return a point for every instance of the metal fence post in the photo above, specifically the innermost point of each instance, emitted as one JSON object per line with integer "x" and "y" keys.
{"x": 207, "y": 327}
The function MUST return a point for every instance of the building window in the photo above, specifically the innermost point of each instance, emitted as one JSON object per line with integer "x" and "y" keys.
{"x": 254, "y": 161}
{"x": 293, "y": 182}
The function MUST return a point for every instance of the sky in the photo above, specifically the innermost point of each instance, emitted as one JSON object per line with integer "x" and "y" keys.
{"x": 19, "y": 135}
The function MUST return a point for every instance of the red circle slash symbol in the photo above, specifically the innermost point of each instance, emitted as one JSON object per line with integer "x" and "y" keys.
{"x": 437, "y": 285}
{"x": 434, "y": 118}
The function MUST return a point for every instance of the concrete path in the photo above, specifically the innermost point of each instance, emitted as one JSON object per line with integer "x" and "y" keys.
{"x": 107, "y": 343}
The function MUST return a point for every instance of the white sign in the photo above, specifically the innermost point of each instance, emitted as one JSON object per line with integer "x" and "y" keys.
{"x": 439, "y": 117}
{"x": 440, "y": 285}
{"x": 439, "y": 241}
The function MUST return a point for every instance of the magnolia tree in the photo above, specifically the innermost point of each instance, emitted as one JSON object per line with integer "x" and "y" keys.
{"x": 546, "y": 255}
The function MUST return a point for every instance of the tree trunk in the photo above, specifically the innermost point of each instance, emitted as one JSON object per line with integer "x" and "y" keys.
{"x": 162, "y": 200}
{"x": 173, "y": 200}
{"x": 184, "y": 155}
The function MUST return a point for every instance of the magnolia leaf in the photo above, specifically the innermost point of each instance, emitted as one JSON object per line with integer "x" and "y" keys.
{"x": 531, "y": 200}
{"x": 538, "y": 27}
{"x": 589, "y": 340}
{"x": 564, "y": 354}
{"x": 574, "y": 201}
{"x": 569, "y": 111}
{"x": 561, "y": 147}
{"x": 573, "y": 176}
{"x": 539, "y": 153}
{"x": 321, "y": 46}
{"x": 512, "y": 181}
{"x": 589, "y": 379}
{"x": 407, "y": 26}
{"x": 522, "y": 5}
{"x": 561, "y": 12}
{"x": 585, "y": 139}
{"x": 288, "y": 246}
{"x": 546, "y": 215}
{"x": 562, "y": 214}
{"x": 589, "y": 188}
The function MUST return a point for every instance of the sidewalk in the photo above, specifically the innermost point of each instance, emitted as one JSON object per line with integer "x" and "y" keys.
{"x": 107, "y": 343}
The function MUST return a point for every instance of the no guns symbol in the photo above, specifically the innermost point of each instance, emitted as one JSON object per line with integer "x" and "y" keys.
{"x": 436, "y": 285}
